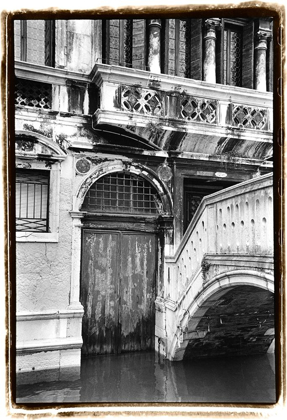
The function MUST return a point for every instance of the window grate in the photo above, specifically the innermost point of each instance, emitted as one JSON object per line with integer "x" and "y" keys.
{"x": 34, "y": 94}
{"x": 122, "y": 193}
{"x": 32, "y": 191}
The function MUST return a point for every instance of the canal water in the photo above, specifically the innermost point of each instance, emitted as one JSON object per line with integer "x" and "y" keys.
{"x": 145, "y": 377}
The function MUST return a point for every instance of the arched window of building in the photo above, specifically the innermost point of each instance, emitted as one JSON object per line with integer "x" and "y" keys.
{"x": 122, "y": 192}
{"x": 34, "y": 41}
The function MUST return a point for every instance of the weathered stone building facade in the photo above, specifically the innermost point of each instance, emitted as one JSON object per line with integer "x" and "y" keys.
{"x": 144, "y": 201}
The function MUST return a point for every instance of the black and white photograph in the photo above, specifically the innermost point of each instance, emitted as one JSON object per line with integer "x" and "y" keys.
{"x": 143, "y": 207}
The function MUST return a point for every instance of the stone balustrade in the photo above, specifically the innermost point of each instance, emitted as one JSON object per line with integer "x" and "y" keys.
{"x": 125, "y": 93}
{"x": 237, "y": 222}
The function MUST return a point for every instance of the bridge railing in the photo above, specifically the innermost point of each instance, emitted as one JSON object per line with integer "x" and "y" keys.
{"x": 237, "y": 221}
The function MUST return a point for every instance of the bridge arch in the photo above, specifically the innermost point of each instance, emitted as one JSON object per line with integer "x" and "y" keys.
{"x": 210, "y": 309}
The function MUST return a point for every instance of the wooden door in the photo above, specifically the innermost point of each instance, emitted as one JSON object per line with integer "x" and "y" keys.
{"x": 118, "y": 291}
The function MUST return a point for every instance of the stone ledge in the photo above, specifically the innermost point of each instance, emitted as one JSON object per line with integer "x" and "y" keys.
{"x": 36, "y": 237}
{"x": 245, "y": 260}
{"x": 36, "y": 316}
{"x": 36, "y": 346}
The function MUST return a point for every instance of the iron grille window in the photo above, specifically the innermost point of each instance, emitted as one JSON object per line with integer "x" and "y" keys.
{"x": 32, "y": 198}
{"x": 232, "y": 56}
{"x": 31, "y": 93}
{"x": 122, "y": 193}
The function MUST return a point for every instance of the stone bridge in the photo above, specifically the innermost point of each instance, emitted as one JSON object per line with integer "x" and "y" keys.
{"x": 220, "y": 282}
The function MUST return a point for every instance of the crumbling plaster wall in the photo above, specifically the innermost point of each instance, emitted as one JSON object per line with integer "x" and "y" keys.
{"x": 44, "y": 269}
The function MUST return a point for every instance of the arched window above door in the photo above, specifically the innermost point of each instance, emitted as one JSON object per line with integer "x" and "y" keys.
{"x": 122, "y": 192}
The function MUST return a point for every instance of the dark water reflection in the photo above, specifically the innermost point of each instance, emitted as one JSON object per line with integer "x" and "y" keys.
{"x": 144, "y": 377}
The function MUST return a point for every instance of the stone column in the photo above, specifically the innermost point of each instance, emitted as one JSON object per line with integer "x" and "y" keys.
{"x": 154, "y": 46}
{"x": 209, "y": 63}
{"x": 76, "y": 259}
{"x": 260, "y": 61}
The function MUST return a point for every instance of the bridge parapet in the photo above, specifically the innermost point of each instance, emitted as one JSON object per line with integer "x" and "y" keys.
{"x": 236, "y": 221}
{"x": 231, "y": 232}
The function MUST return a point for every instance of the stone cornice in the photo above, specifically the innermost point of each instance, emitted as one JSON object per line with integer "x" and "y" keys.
{"x": 77, "y": 214}
{"x": 44, "y": 315}
{"x": 67, "y": 343}
{"x": 44, "y": 74}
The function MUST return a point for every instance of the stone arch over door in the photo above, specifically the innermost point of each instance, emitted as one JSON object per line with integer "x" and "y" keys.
{"x": 119, "y": 257}
{"x": 110, "y": 167}
{"x": 232, "y": 314}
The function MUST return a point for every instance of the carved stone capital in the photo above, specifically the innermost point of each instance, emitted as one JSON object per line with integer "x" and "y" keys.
{"x": 212, "y": 23}
{"x": 262, "y": 35}
{"x": 155, "y": 22}
{"x": 261, "y": 38}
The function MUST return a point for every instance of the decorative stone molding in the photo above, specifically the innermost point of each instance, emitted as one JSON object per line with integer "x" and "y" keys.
{"x": 31, "y": 144}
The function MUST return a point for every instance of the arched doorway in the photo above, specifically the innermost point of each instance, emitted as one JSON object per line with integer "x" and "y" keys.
{"x": 119, "y": 263}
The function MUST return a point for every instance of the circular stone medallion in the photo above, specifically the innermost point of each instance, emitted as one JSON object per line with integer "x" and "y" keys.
{"x": 164, "y": 172}
{"x": 82, "y": 166}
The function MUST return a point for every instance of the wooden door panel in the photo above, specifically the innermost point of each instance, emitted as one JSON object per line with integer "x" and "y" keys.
{"x": 99, "y": 291}
{"x": 137, "y": 291}
{"x": 118, "y": 291}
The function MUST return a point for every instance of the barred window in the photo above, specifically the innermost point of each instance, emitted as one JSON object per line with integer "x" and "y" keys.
{"x": 122, "y": 193}
{"x": 32, "y": 200}
{"x": 34, "y": 94}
